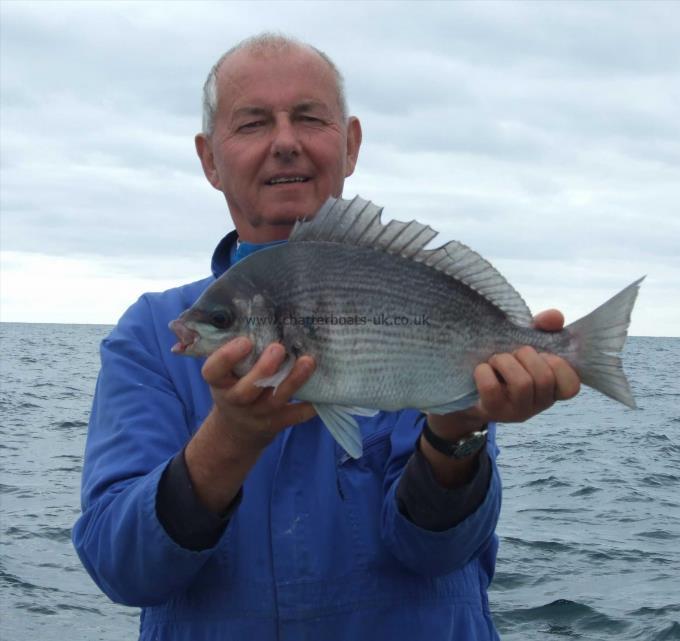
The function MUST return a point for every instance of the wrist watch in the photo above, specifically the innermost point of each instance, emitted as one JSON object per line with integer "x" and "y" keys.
{"x": 460, "y": 448}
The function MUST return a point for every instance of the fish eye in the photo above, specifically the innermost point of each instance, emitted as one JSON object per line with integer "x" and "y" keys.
{"x": 221, "y": 320}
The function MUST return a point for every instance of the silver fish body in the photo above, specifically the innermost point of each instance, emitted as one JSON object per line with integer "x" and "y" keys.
{"x": 385, "y": 331}
{"x": 390, "y": 324}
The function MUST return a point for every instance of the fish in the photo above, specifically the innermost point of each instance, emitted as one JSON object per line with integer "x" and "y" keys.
{"x": 390, "y": 324}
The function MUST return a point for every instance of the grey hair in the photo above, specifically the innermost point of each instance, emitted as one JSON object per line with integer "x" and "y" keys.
{"x": 264, "y": 42}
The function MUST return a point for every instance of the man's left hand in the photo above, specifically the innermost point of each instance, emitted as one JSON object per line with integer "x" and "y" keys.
{"x": 514, "y": 387}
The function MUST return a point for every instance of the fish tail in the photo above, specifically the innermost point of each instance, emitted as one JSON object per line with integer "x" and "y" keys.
{"x": 599, "y": 338}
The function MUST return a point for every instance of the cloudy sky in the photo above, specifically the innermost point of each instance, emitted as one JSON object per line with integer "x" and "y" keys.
{"x": 544, "y": 135}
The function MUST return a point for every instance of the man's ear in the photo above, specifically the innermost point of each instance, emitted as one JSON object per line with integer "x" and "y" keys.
{"x": 353, "y": 144}
{"x": 205, "y": 154}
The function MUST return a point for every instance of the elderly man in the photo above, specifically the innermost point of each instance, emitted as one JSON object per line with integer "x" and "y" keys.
{"x": 226, "y": 511}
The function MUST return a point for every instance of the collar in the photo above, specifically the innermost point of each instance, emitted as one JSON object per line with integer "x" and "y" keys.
{"x": 221, "y": 259}
{"x": 230, "y": 250}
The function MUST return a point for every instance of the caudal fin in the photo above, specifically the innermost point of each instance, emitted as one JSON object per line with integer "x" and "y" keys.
{"x": 600, "y": 336}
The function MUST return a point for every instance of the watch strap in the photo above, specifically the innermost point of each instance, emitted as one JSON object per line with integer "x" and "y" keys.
{"x": 465, "y": 446}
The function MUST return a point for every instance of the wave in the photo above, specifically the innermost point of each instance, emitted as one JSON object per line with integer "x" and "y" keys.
{"x": 549, "y": 481}
{"x": 669, "y": 633}
{"x": 566, "y": 618}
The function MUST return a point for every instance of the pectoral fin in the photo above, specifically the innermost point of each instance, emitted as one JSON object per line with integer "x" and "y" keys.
{"x": 343, "y": 426}
{"x": 278, "y": 378}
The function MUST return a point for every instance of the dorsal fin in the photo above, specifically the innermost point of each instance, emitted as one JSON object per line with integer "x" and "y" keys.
{"x": 357, "y": 222}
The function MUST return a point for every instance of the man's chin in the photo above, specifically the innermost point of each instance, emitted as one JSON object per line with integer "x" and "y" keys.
{"x": 274, "y": 225}
{"x": 288, "y": 214}
{"x": 274, "y": 221}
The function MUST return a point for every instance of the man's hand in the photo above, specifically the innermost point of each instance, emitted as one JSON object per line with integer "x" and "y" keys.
{"x": 243, "y": 421}
{"x": 512, "y": 388}
{"x": 252, "y": 415}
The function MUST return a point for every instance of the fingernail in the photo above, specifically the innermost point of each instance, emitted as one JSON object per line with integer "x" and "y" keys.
{"x": 275, "y": 349}
{"x": 305, "y": 368}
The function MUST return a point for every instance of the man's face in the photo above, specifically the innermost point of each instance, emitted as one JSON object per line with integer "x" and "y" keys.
{"x": 280, "y": 146}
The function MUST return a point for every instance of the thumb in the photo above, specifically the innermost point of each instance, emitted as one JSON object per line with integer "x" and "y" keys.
{"x": 551, "y": 320}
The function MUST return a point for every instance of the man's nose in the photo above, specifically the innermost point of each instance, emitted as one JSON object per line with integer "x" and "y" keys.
{"x": 286, "y": 143}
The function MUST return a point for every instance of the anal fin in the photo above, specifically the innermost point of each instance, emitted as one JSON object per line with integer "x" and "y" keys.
{"x": 457, "y": 404}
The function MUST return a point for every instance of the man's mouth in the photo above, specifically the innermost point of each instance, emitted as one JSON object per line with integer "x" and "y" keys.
{"x": 283, "y": 180}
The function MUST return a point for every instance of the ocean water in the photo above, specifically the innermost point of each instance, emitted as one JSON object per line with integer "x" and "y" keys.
{"x": 590, "y": 528}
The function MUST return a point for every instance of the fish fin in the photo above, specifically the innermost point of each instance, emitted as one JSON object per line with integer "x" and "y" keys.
{"x": 359, "y": 411}
{"x": 599, "y": 337}
{"x": 357, "y": 222}
{"x": 276, "y": 379}
{"x": 342, "y": 426}
{"x": 462, "y": 263}
{"x": 460, "y": 403}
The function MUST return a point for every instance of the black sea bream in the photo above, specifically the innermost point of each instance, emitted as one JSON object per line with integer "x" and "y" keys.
{"x": 390, "y": 324}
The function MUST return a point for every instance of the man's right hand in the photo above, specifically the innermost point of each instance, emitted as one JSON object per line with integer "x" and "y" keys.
{"x": 252, "y": 415}
{"x": 244, "y": 419}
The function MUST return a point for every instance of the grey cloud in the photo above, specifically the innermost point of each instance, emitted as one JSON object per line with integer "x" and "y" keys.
{"x": 588, "y": 38}
{"x": 544, "y": 133}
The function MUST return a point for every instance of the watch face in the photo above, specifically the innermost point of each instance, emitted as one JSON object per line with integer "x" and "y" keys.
{"x": 470, "y": 445}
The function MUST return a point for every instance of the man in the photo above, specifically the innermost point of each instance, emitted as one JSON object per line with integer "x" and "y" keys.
{"x": 226, "y": 511}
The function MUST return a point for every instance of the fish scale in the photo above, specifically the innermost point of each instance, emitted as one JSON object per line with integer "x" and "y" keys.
{"x": 370, "y": 343}
{"x": 345, "y": 264}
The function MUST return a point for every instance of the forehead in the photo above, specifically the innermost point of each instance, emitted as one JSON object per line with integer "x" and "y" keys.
{"x": 275, "y": 79}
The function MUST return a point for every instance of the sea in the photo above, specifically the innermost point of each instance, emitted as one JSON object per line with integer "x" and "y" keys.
{"x": 589, "y": 531}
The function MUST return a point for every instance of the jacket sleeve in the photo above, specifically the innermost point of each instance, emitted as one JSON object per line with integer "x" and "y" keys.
{"x": 433, "y": 507}
{"x": 427, "y": 551}
{"x": 137, "y": 426}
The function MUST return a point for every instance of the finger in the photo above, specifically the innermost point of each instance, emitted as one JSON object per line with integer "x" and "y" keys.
{"x": 519, "y": 386}
{"x": 299, "y": 375}
{"x": 245, "y": 392}
{"x": 492, "y": 397}
{"x": 567, "y": 381}
{"x": 541, "y": 374}
{"x": 217, "y": 370}
{"x": 551, "y": 320}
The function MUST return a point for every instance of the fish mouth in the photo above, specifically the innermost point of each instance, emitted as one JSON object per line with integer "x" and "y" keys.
{"x": 287, "y": 179}
{"x": 187, "y": 337}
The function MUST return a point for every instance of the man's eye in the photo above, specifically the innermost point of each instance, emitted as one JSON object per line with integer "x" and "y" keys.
{"x": 312, "y": 119}
{"x": 249, "y": 126}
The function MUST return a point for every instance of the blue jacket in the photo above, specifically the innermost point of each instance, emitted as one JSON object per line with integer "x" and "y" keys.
{"x": 317, "y": 548}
